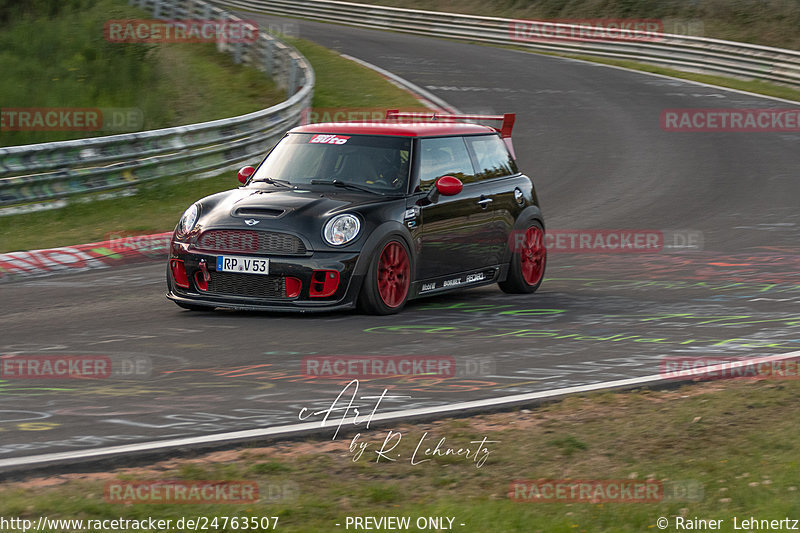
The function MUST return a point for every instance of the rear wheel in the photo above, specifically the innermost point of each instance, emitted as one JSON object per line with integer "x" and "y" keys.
{"x": 388, "y": 280}
{"x": 528, "y": 260}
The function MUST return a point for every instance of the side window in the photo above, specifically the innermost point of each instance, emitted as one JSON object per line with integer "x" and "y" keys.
{"x": 492, "y": 157}
{"x": 444, "y": 156}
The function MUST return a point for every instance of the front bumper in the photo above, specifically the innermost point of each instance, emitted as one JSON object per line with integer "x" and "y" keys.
{"x": 264, "y": 292}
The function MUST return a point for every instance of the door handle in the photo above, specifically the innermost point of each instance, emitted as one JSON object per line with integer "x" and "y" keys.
{"x": 484, "y": 202}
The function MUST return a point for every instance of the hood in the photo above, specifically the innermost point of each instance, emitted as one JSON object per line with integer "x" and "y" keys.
{"x": 278, "y": 203}
{"x": 301, "y": 212}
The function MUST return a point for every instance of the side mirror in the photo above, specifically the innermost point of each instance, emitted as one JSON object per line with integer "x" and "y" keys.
{"x": 448, "y": 185}
{"x": 244, "y": 174}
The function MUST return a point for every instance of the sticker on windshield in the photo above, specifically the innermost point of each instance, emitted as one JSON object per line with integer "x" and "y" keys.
{"x": 329, "y": 139}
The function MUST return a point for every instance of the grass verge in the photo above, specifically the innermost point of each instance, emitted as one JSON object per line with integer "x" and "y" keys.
{"x": 62, "y": 60}
{"x": 156, "y": 207}
{"x": 342, "y": 83}
{"x": 737, "y": 441}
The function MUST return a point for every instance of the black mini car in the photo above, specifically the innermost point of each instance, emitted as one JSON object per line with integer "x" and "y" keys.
{"x": 369, "y": 214}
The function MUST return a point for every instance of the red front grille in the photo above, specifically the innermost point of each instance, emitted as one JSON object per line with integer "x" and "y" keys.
{"x": 249, "y": 241}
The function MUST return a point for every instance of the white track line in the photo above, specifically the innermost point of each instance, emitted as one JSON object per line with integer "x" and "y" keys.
{"x": 414, "y": 88}
{"x": 665, "y": 76}
{"x": 458, "y": 408}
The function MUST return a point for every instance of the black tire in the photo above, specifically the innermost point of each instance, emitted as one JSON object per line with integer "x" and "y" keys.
{"x": 373, "y": 301}
{"x": 527, "y": 266}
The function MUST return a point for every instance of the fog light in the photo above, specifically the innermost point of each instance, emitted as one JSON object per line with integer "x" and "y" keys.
{"x": 323, "y": 283}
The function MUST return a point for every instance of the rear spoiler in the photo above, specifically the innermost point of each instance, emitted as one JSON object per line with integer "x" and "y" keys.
{"x": 504, "y": 130}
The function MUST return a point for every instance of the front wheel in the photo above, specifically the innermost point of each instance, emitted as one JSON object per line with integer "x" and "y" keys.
{"x": 388, "y": 280}
{"x": 528, "y": 260}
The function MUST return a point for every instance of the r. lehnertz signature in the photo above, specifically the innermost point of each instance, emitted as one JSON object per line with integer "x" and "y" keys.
{"x": 478, "y": 454}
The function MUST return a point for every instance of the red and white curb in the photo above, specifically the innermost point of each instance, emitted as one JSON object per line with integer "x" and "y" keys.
{"x": 83, "y": 257}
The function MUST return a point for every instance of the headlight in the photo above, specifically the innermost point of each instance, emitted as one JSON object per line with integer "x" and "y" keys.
{"x": 188, "y": 219}
{"x": 341, "y": 229}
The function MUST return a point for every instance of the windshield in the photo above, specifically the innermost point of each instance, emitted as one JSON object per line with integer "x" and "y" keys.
{"x": 373, "y": 162}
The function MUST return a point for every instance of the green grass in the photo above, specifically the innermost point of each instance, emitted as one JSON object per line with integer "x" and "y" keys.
{"x": 64, "y": 61}
{"x": 737, "y": 441}
{"x": 345, "y": 84}
{"x": 157, "y": 207}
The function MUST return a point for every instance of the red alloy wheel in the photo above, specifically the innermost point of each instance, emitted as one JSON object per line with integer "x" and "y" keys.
{"x": 532, "y": 256}
{"x": 394, "y": 274}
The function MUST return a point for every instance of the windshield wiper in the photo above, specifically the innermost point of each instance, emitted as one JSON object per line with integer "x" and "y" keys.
{"x": 345, "y": 185}
{"x": 273, "y": 181}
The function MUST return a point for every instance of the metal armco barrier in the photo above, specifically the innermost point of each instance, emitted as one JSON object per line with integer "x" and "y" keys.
{"x": 37, "y": 176}
{"x": 681, "y": 52}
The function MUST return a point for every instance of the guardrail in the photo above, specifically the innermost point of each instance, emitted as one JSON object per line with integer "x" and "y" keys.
{"x": 680, "y": 52}
{"x": 42, "y": 176}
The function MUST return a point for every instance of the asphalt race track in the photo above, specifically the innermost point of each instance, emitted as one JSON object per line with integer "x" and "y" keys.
{"x": 591, "y": 137}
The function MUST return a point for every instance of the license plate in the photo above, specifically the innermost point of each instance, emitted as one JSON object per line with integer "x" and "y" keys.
{"x": 242, "y": 264}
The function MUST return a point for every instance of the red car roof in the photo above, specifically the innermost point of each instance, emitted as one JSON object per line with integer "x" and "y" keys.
{"x": 396, "y": 128}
